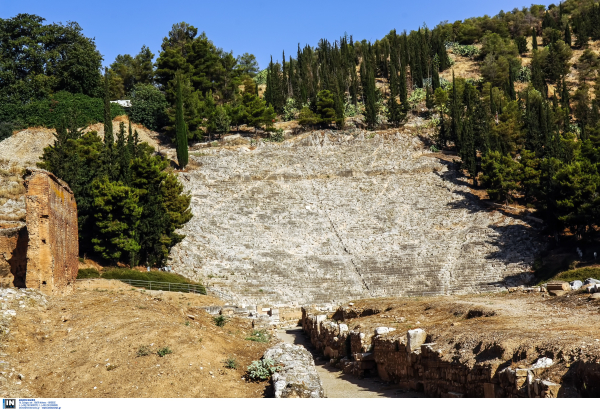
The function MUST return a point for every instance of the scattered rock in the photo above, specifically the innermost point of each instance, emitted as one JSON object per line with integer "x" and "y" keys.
{"x": 542, "y": 362}
{"x": 576, "y": 284}
{"x": 592, "y": 281}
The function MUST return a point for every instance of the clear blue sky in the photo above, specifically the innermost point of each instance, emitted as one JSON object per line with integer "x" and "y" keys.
{"x": 261, "y": 27}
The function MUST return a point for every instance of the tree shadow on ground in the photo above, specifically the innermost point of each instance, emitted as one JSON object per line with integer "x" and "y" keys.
{"x": 515, "y": 242}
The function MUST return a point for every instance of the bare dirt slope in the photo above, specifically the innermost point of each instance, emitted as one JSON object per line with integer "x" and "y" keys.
{"x": 87, "y": 344}
{"x": 26, "y": 147}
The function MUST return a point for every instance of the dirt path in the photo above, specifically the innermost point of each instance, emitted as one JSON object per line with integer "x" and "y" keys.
{"x": 339, "y": 385}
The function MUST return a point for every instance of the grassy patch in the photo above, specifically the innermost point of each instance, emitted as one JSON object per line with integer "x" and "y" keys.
{"x": 230, "y": 363}
{"x": 89, "y": 273}
{"x": 260, "y": 336}
{"x": 164, "y": 351}
{"x": 220, "y": 320}
{"x": 132, "y": 274}
{"x": 579, "y": 274}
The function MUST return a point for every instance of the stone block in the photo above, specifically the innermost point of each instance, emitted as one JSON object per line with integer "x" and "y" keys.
{"x": 415, "y": 338}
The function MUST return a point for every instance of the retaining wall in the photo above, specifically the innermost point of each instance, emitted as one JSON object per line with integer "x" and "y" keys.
{"x": 407, "y": 360}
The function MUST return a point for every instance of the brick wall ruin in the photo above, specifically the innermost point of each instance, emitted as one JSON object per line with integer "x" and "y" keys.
{"x": 42, "y": 253}
{"x": 52, "y": 254}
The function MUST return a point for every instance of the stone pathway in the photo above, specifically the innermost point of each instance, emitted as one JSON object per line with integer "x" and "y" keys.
{"x": 339, "y": 385}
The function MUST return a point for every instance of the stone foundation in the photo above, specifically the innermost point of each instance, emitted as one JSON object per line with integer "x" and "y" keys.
{"x": 408, "y": 360}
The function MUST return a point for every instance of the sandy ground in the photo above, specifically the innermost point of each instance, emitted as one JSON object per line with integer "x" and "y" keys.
{"x": 339, "y": 385}
{"x": 86, "y": 345}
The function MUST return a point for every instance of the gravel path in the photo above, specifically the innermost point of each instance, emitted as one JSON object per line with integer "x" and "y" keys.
{"x": 339, "y": 385}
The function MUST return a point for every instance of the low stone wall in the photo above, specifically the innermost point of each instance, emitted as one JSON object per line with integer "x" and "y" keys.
{"x": 408, "y": 360}
{"x": 297, "y": 377}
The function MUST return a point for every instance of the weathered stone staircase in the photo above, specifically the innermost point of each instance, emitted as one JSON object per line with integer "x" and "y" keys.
{"x": 329, "y": 216}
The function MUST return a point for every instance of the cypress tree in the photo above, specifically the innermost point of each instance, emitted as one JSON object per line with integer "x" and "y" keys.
{"x": 371, "y": 99}
{"x": 511, "y": 84}
{"x": 403, "y": 90}
{"x": 534, "y": 44}
{"x": 435, "y": 75}
{"x": 108, "y": 128}
{"x": 568, "y": 39}
{"x": 181, "y": 128}
{"x": 428, "y": 98}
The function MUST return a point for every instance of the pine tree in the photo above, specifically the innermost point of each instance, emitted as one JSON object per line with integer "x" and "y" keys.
{"x": 181, "y": 129}
{"x": 534, "y": 42}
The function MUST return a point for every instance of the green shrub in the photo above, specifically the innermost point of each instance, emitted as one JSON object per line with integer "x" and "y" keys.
{"x": 260, "y": 336}
{"x": 148, "y": 106}
{"x": 6, "y": 130}
{"x": 276, "y": 135}
{"x": 88, "y": 273}
{"x": 465, "y": 51}
{"x": 164, "y": 351}
{"x": 143, "y": 350}
{"x": 220, "y": 320}
{"x": 261, "y": 77}
{"x": 262, "y": 369}
{"x": 83, "y": 110}
{"x": 231, "y": 363}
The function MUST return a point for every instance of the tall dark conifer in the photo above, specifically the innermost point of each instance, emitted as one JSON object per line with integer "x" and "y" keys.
{"x": 534, "y": 41}
{"x": 568, "y": 39}
{"x": 108, "y": 128}
{"x": 181, "y": 128}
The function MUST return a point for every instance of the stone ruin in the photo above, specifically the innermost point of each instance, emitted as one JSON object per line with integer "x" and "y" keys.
{"x": 42, "y": 252}
{"x": 327, "y": 217}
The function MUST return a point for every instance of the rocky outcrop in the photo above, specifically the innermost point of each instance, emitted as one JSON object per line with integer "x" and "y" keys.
{"x": 327, "y": 217}
{"x": 298, "y": 376}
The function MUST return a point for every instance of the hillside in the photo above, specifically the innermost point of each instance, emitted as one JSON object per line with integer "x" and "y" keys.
{"x": 25, "y": 147}
{"x": 327, "y": 216}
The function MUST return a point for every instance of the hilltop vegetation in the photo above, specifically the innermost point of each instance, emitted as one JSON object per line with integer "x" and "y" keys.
{"x": 525, "y": 124}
